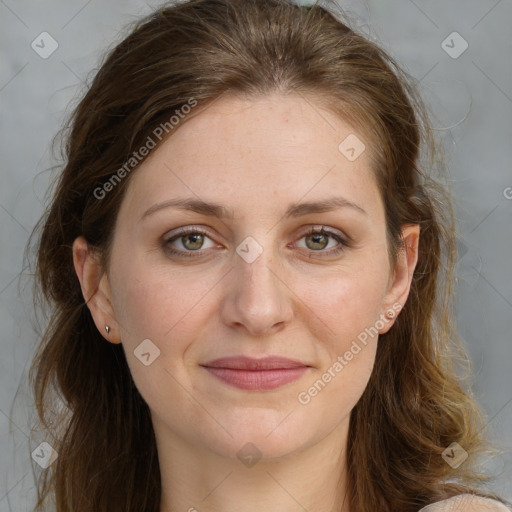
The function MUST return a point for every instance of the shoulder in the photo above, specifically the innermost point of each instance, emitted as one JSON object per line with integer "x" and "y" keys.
{"x": 466, "y": 503}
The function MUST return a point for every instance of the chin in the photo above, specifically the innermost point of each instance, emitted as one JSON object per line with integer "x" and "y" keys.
{"x": 265, "y": 440}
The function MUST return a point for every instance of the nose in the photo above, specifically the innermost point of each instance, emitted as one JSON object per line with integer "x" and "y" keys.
{"x": 258, "y": 299}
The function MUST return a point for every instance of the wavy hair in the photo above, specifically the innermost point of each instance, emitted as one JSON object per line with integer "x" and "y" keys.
{"x": 414, "y": 405}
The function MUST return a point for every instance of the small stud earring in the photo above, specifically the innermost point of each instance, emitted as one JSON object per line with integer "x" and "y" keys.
{"x": 390, "y": 314}
{"x": 107, "y": 328}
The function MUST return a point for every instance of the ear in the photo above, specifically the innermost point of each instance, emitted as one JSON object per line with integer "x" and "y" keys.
{"x": 400, "y": 281}
{"x": 95, "y": 289}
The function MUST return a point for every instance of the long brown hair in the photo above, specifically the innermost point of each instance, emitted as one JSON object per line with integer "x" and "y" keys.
{"x": 413, "y": 407}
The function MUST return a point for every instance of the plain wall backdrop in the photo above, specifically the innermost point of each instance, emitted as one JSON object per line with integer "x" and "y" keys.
{"x": 465, "y": 78}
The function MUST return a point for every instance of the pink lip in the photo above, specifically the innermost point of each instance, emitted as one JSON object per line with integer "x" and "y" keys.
{"x": 256, "y": 374}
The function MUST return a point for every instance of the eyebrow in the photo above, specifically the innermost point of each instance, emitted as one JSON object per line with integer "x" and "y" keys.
{"x": 221, "y": 212}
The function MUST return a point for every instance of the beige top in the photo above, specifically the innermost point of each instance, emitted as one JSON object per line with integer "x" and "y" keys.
{"x": 466, "y": 503}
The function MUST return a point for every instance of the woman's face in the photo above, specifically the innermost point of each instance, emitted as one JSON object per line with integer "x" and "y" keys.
{"x": 255, "y": 284}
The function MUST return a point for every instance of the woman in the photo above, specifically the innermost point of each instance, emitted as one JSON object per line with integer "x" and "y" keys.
{"x": 251, "y": 279}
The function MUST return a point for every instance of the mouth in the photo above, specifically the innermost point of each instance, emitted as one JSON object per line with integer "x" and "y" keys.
{"x": 256, "y": 374}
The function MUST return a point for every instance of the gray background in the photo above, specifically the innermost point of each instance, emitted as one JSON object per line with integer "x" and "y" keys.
{"x": 470, "y": 98}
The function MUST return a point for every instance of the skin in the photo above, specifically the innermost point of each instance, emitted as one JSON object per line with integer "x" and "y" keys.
{"x": 255, "y": 156}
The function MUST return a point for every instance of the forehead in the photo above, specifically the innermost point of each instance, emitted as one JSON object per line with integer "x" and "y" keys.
{"x": 275, "y": 147}
{"x": 280, "y": 124}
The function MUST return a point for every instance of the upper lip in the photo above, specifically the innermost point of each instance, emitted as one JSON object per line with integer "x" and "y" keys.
{"x": 249, "y": 363}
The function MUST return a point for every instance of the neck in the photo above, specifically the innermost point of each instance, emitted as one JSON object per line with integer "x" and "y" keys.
{"x": 196, "y": 479}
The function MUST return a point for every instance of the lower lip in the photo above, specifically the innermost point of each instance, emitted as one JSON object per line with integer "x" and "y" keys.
{"x": 259, "y": 380}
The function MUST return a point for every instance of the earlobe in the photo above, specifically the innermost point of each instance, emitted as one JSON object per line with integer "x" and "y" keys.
{"x": 404, "y": 271}
{"x": 95, "y": 289}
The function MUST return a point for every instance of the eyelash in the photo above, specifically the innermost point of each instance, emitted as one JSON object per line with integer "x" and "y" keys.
{"x": 343, "y": 244}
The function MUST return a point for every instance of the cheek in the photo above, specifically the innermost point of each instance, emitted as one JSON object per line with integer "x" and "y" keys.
{"x": 154, "y": 303}
{"x": 347, "y": 301}
{"x": 335, "y": 390}
{"x": 349, "y": 309}
{"x": 349, "y": 306}
{"x": 168, "y": 311}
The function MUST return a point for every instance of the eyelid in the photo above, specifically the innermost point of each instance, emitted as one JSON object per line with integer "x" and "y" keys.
{"x": 184, "y": 231}
{"x": 343, "y": 240}
{"x": 333, "y": 232}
